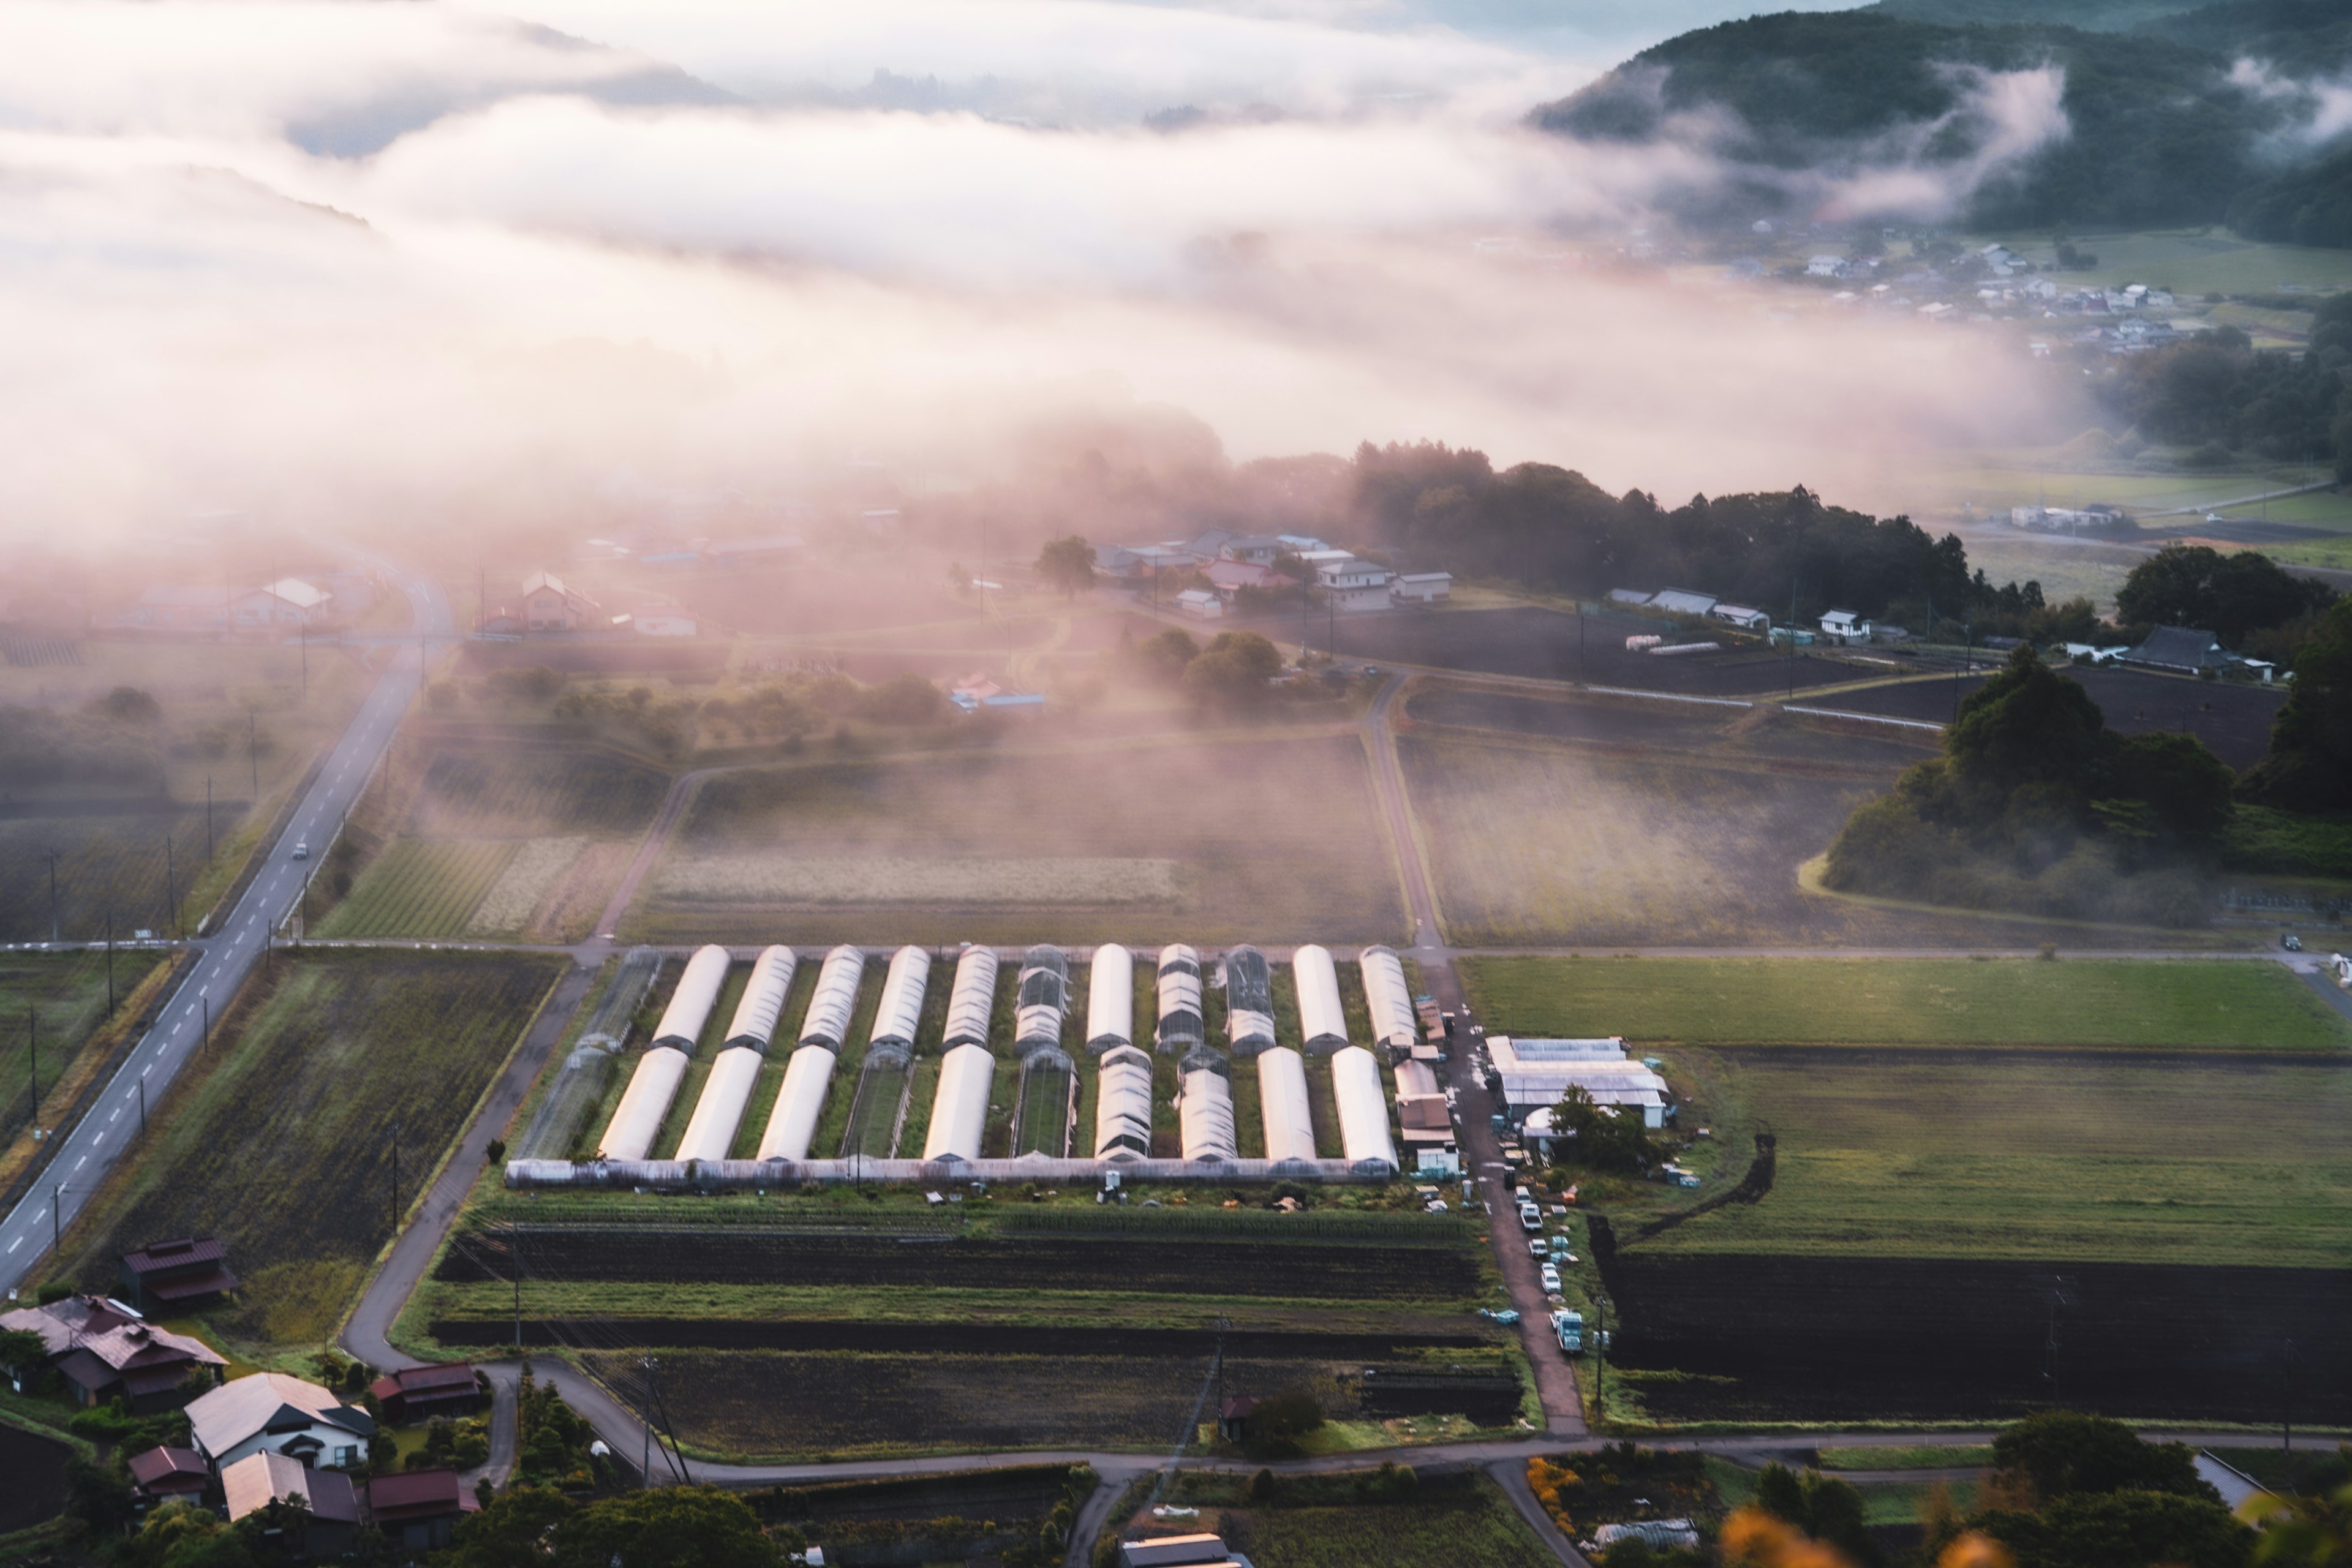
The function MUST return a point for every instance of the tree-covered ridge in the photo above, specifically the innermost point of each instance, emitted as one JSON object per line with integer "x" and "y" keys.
{"x": 2159, "y": 130}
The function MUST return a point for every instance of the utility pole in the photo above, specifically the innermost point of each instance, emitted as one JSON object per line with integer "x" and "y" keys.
{"x": 33, "y": 1044}
{"x": 2286, "y": 1400}
{"x": 110, "y": 963}
{"x": 253, "y": 748}
{"x": 57, "y": 1223}
{"x": 142, "y": 1110}
{"x": 170, "y": 889}
{"x": 646, "y": 1470}
{"x": 53, "y": 897}
{"x": 1601, "y": 1360}
{"x": 204, "y": 999}
{"x": 395, "y": 1180}
{"x": 1968, "y": 664}
{"x": 1581, "y": 678}
{"x": 209, "y": 820}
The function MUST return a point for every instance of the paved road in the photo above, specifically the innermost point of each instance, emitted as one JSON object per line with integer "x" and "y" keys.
{"x": 83, "y": 1158}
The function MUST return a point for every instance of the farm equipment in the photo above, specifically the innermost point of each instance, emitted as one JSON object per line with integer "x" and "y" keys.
{"x": 1504, "y": 1315}
{"x": 1569, "y": 1326}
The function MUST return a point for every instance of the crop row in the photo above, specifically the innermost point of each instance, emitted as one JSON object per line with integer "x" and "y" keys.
{"x": 420, "y": 887}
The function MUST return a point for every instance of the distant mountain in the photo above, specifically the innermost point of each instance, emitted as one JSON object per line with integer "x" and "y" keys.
{"x": 2159, "y": 130}
{"x": 2091, "y": 16}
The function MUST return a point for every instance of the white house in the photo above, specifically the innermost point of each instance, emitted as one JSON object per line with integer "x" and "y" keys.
{"x": 1353, "y": 584}
{"x": 1844, "y": 625}
{"x": 1201, "y": 603}
{"x": 548, "y": 606}
{"x": 1422, "y": 588}
{"x": 270, "y": 1410}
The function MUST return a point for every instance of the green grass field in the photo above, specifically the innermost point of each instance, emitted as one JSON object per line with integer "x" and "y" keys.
{"x": 2191, "y": 261}
{"x": 66, "y": 994}
{"x": 1464, "y": 1521}
{"x": 419, "y": 887}
{"x": 2181, "y": 1005}
{"x": 285, "y": 1145}
{"x": 1907, "y": 1457}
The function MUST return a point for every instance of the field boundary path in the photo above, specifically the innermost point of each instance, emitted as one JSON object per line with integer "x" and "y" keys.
{"x": 665, "y": 823}
{"x": 81, "y": 1160}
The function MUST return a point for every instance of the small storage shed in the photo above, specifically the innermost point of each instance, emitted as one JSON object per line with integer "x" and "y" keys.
{"x": 1281, "y": 1104}
{"x": 1180, "y": 1028}
{"x": 1123, "y": 1104}
{"x": 176, "y": 1275}
{"x": 960, "y": 1109}
{"x": 1322, "y": 1021}
{"x": 971, "y": 1004}
{"x": 1111, "y": 998}
{"x": 828, "y": 1022}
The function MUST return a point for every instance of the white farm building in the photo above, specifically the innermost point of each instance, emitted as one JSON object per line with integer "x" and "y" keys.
{"x": 1535, "y": 1074}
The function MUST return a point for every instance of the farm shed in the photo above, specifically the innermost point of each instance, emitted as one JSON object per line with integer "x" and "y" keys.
{"x": 972, "y": 1001}
{"x": 1363, "y": 1107}
{"x": 1249, "y": 1001}
{"x": 1044, "y": 997}
{"x": 1416, "y": 1080}
{"x": 1534, "y": 1074}
{"x": 1179, "y": 998}
{"x": 1111, "y": 998}
{"x": 1282, "y": 1102}
{"x": 689, "y": 1005}
{"x": 1123, "y": 1104}
{"x": 960, "y": 1110}
{"x": 1205, "y": 1112}
{"x": 643, "y": 1104}
{"x": 1388, "y": 1000}
{"x": 415, "y": 1392}
{"x": 176, "y": 1276}
{"x": 798, "y": 1101}
{"x": 763, "y": 1004}
{"x": 901, "y": 1009}
{"x": 1323, "y": 1022}
{"x": 725, "y": 1095}
{"x": 828, "y": 1022}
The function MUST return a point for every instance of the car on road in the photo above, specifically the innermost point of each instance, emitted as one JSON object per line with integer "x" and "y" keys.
{"x": 2291, "y": 941}
{"x": 1530, "y": 1216}
{"x": 302, "y": 849}
{"x": 1537, "y": 1249}
{"x": 1551, "y": 1280}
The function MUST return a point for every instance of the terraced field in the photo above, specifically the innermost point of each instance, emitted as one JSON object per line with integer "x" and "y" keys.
{"x": 420, "y": 887}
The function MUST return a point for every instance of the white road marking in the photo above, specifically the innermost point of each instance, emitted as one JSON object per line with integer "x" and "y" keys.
{"x": 111, "y": 1119}
{"x": 81, "y": 1162}
{"x": 16, "y": 1244}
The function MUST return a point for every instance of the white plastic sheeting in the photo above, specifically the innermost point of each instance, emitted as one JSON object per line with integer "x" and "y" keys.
{"x": 630, "y": 1134}
{"x": 1179, "y": 998}
{"x": 1249, "y": 1001}
{"x": 1204, "y": 1112}
{"x": 1363, "y": 1107}
{"x": 1111, "y": 998}
{"x": 972, "y": 1002}
{"x": 901, "y": 1008}
{"x": 1123, "y": 1103}
{"x": 799, "y": 1102}
{"x": 689, "y": 1005}
{"x": 1282, "y": 1102}
{"x": 763, "y": 999}
{"x": 1388, "y": 1000}
{"x": 827, "y": 1023}
{"x": 1045, "y": 998}
{"x": 960, "y": 1110}
{"x": 725, "y": 1095}
{"x": 1322, "y": 1021}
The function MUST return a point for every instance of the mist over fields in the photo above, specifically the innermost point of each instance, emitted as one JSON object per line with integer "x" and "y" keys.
{"x": 347, "y": 265}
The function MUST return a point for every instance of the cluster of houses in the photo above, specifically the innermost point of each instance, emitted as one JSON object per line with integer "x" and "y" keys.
{"x": 256, "y": 1441}
{"x": 546, "y": 604}
{"x": 1231, "y": 562}
{"x": 280, "y": 605}
{"x": 1838, "y": 627}
{"x": 2097, "y": 518}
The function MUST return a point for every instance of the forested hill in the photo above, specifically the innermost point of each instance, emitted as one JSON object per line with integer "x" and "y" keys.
{"x": 2160, "y": 133}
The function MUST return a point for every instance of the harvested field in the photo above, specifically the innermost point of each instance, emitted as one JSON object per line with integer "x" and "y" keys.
{"x": 932, "y": 817}
{"x": 1533, "y": 641}
{"x": 1168, "y": 1265}
{"x": 539, "y": 864}
{"x": 1632, "y": 724}
{"x": 513, "y": 791}
{"x": 1533, "y": 842}
{"x": 1454, "y": 1521}
{"x": 1815, "y": 1339}
{"x": 283, "y": 1147}
{"x": 420, "y": 887}
{"x": 960, "y": 1338}
{"x": 2233, "y": 718}
{"x": 111, "y": 863}
{"x": 2187, "y": 1005}
{"x": 573, "y": 907}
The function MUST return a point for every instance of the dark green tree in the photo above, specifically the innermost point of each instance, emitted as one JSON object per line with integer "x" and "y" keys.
{"x": 2062, "y": 1452}
{"x": 671, "y": 1527}
{"x": 1166, "y": 653}
{"x": 2127, "y": 1528}
{"x": 1604, "y": 1137}
{"x": 510, "y": 1531}
{"x": 1234, "y": 669}
{"x": 2229, "y": 595}
{"x": 1069, "y": 565}
{"x": 2309, "y": 764}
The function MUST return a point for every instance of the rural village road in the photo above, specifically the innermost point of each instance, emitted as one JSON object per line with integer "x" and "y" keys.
{"x": 81, "y": 1160}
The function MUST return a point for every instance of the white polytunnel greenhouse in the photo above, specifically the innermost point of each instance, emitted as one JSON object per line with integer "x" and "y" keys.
{"x": 630, "y": 1134}
{"x": 689, "y": 1005}
{"x": 798, "y": 1101}
{"x": 1111, "y": 998}
{"x": 1204, "y": 1114}
{"x": 960, "y": 1110}
{"x": 1363, "y": 1107}
{"x": 901, "y": 1008}
{"x": 763, "y": 999}
{"x": 1123, "y": 1103}
{"x": 827, "y": 1023}
{"x": 725, "y": 1095}
{"x": 1388, "y": 1000}
{"x": 1180, "y": 999}
{"x": 1044, "y": 997}
{"x": 971, "y": 1005}
{"x": 1282, "y": 1102}
{"x": 1249, "y": 1001}
{"x": 1322, "y": 1021}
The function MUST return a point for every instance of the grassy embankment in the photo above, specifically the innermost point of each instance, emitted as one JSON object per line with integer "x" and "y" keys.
{"x": 2138, "y": 1111}
{"x": 65, "y": 994}
{"x": 281, "y": 1141}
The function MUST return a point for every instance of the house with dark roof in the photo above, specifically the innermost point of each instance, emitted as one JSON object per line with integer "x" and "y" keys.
{"x": 105, "y": 1351}
{"x": 177, "y": 1275}
{"x": 2183, "y": 650}
{"x": 421, "y": 1393}
{"x": 168, "y": 1473}
{"x": 324, "y": 1524}
{"x": 284, "y": 1415}
{"x": 417, "y": 1510}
